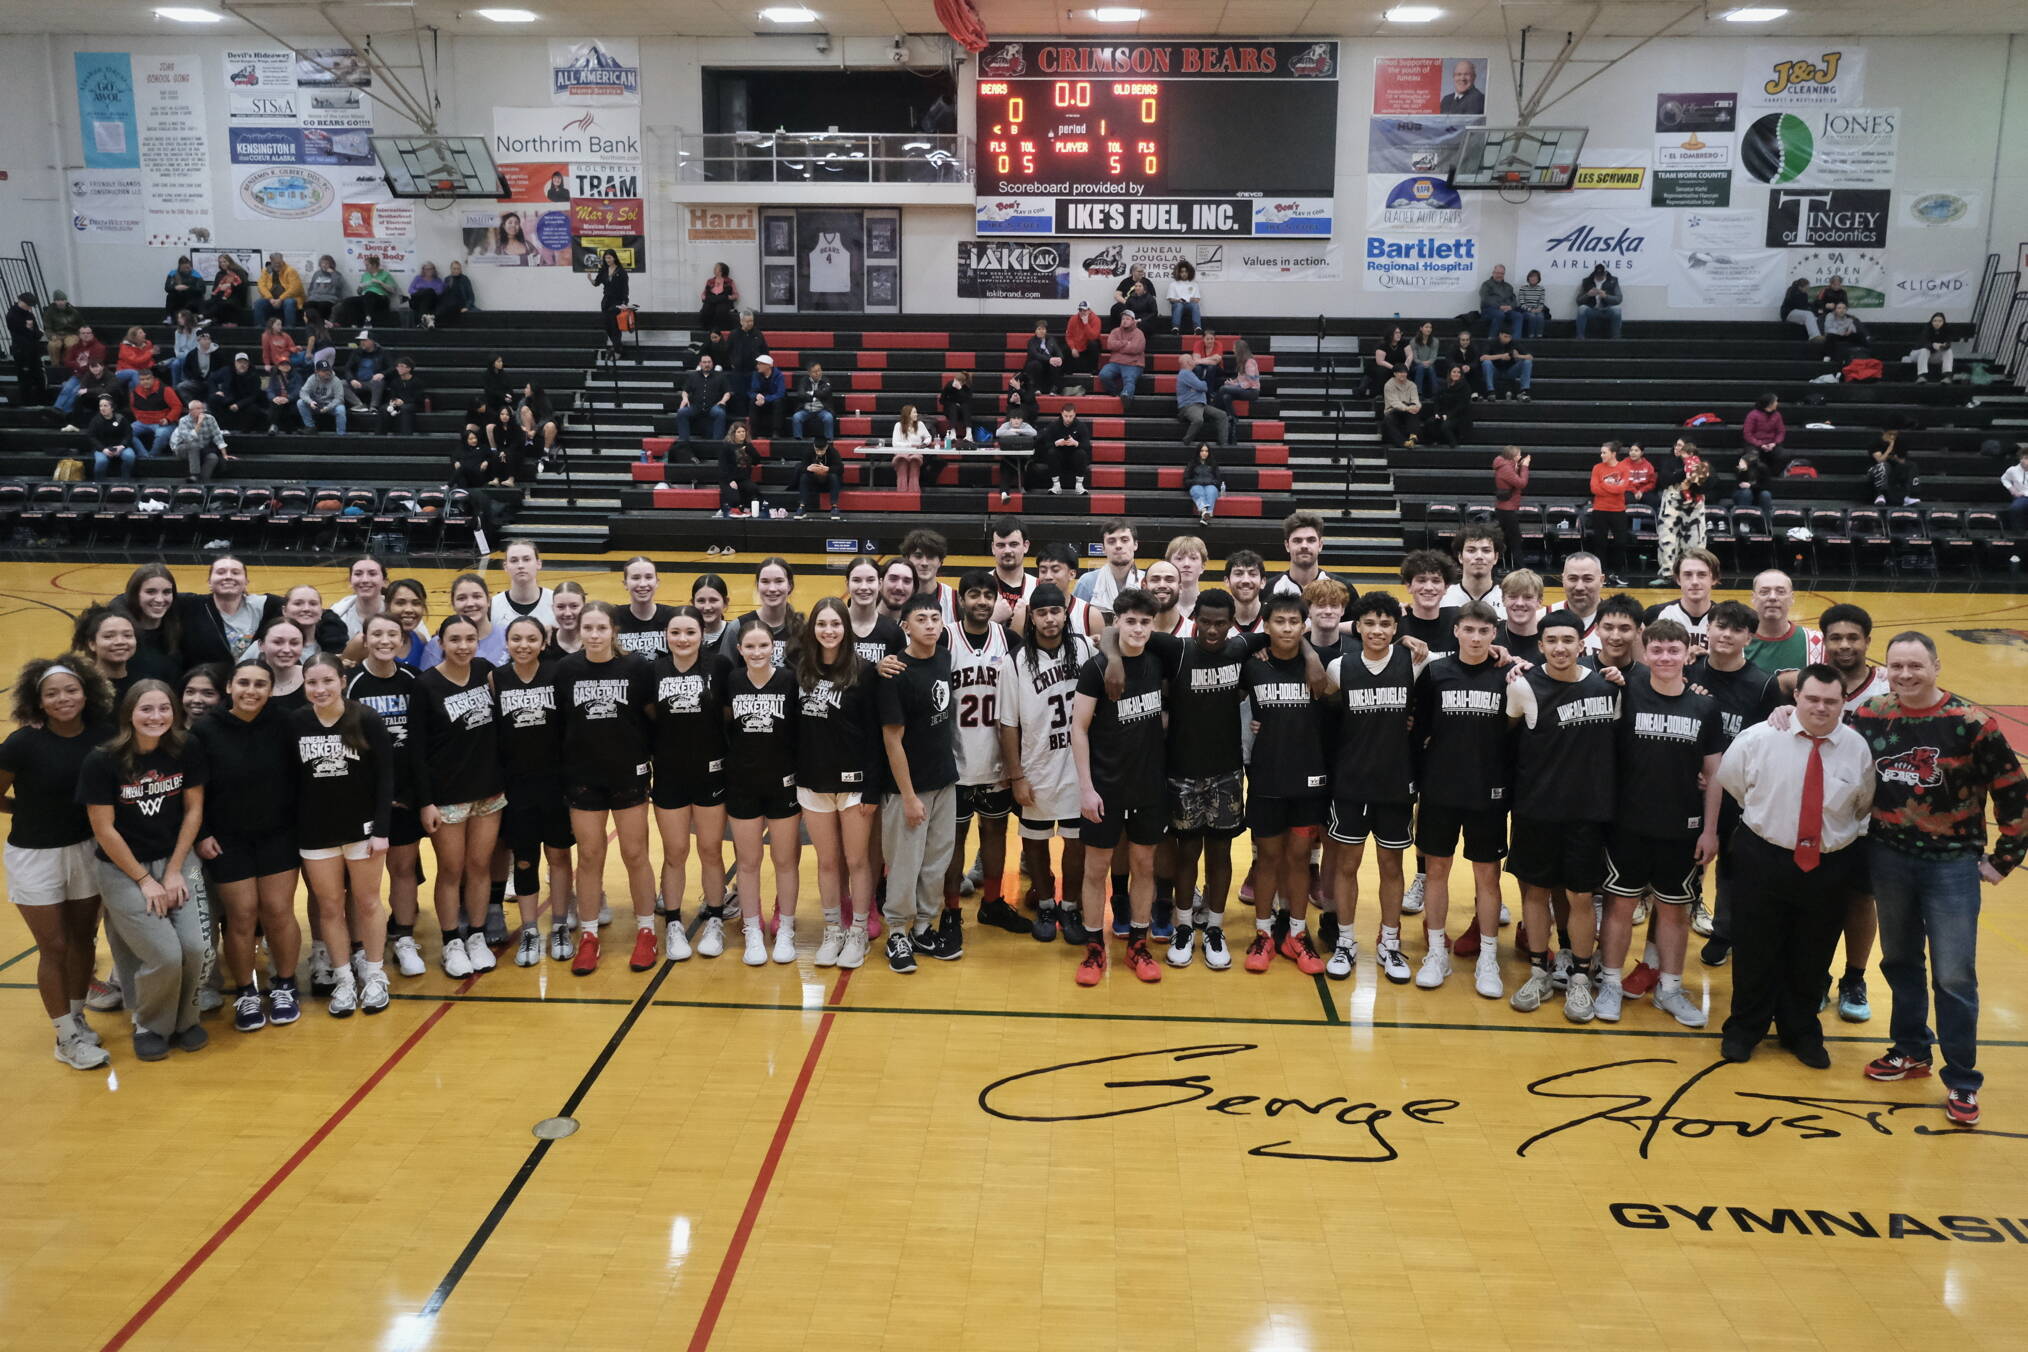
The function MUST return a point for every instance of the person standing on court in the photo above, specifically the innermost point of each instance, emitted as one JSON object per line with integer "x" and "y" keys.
{"x": 1938, "y": 758}
{"x": 1805, "y": 795}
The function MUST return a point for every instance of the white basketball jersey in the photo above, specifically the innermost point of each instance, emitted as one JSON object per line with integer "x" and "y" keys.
{"x": 975, "y": 685}
{"x": 830, "y": 264}
{"x": 1039, "y": 701}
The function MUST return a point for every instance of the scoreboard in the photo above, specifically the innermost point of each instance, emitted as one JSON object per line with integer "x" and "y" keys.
{"x": 1157, "y": 138}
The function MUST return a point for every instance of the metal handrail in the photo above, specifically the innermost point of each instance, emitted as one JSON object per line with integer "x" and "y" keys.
{"x": 822, "y": 157}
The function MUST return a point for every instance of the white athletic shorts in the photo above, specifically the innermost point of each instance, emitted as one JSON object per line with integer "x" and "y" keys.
{"x": 355, "y": 851}
{"x": 46, "y": 877}
{"x": 811, "y": 801}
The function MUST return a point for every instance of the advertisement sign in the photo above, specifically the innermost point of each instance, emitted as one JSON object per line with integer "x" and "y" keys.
{"x": 1695, "y": 135}
{"x": 1292, "y": 216}
{"x": 105, "y": 110}
{"x": 1421, "y": 263}
{"x": 605, "y": 216}
{"x": 1712, "y": 278}
{"x": 525, "y": 135}
{"x": 107, "y": 206}
{"x": 1957, "y": 210}
{"x": 587, "y": 252}
{"x": 1816, "y": 218}
{"x": 1828, "y": 148}
{"x": 1729, "y": 230}
{"x": 290, "y": 192}
{"x": 1409, "y": 86}
{"x": 1417, "y": 202}
{"x": 338, "y": 107}
{"x": 1168, "y": 216}
{"x": 1611, "y": 171}
{"x": 1938, "y": 290}
{"x": 605, "y": 180}
{"x": 1567, "y": 243}
{"x": 249, "y": 70}
{"x": 1802, "y": 74}
{"x": 379, "y": 220}
{"x": 518, "y": 235}
{"x": 332, "y": 66}
{"x": 536, "y": 181}
{"x": 175, "y": 158}
{"x": 595, "y": 71}
{"x": 398, "y": 256}
{"x": 725, "y": 225}
{"x": 1863, "y": 274}
{"x": 1415, "y": 145}
{"x": 295, "y": 145}
{"x": 276, "y": 109}
{"x": 1028, "y": 269}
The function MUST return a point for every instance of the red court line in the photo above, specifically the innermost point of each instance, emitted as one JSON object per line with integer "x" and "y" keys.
{"x": 728, "y": 1268}
{"x": 275, "y": 1180}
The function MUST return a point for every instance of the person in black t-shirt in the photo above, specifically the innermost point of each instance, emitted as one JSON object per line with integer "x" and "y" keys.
{"x": 919, "y": 815}
{"x": 1746, "y": 694}
{"x": 536, "y": 825}
{"x": 455, "y": 748}
{"x": 1669, "y": 735}
{"x": 1567, "y": 718}
{"x": 345, "y": 776}
{"x": 1427, "y": 574}
{"x": 1460, "y": 732}
{"x": 761, "y": 707}
{"x": 1118, "y": 744}
{"x": 1290, "y": 781}
{"x": 689, "y": 794}
{"x": 641, "y": 625}
{"x": 1617, "y": 626}
{"x": 1521, "y": 608}
{"x": 838, "y": 747}
{"x": 144, "y": 794}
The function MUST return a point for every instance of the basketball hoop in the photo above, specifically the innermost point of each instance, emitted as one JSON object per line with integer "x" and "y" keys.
{"x": 1514, "y": 194}
{"x": 439, "y": 199}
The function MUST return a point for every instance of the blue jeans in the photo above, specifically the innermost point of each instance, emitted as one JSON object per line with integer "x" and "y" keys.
{"x": 1114, "y": 378}
{"x": 714, "y": 417}
{"x": 1746, "y": 497}
{"x": 66, "y": 398}
{"x": 103, "y": 460}
{"x": 128, "y": 378}
{"x": 829, "y": 420}
{"x": 1425, "y": 377}
{"x": 1519, "y": 373}
{"x": 2017, "y": 514}
{"x": 1497, "y": 319}
{"x": 1587, "y": 314}
{"x": 1937, "y": 900}
{"x": 265, "y": 309}
{"x": 1534, "y": 323}
{"x": 309, "y": 414}
{"x": 1179, "y": 309}
{"x": 1205, "y": 496}
{"x": 152, "y": 441}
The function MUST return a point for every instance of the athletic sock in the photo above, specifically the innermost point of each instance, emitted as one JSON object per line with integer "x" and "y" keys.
{"x": 1439, "y": 942}
{"x": 1390, "y": 936}
{"x": 247, "y": 989}
{"x": 372, "y": 967}
{"x": 645, "y": 922}
{"x": 834, "y": 915}
{"x": 1165, "y": 891}
{"x": 63, "y": 1026}
{"x": 1671, "y": 983}
{"x": 1265, "y": 926}
{"x": 399, "y": 931}
{"x": 496, "y": 895}
{"x": 1610, "y": 977}
{"x": 1538, "y": 959}
{"x": 1851, "y": 974}
{"x": 1297, "y": 926}
{"x": 77, "y": 1006}
{"x": 1651, "y": 955}
{"x": 1137, "y": 934}
{"x": 1563, "y": 936}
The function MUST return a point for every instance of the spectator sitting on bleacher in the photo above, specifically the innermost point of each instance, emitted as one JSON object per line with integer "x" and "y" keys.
{"x": 325, "y": 393}
{"x": 402, "y": 398}
{"x": 366, "y": 370}
{"x": 1186, "y": 299}
{"x": 278, "y": 400}
{"x": 326, "y": 289}
{"x": 503, "y": 431}
{"x": 521, "y": 448}
{"x": 183, "y": 338}
{"x": 1598, "y": 299}
{"x": 1831, "y": 295}
{"x": 1464, "y": 352}
{"x": 426, "y": 294}
{"x": 25, "y": 344}
{"x": 706, "y": 393}
{"x": 182, "y": 289}
{"x": 1014, "y": 434}
{"x": 474, "y": 463}
{"x": 156, "y": 408}
{"x": 1243, "y": 383}
{"x": 764, "y": 394}
{"x": 1935, "y": 347}
{"x": 1764, "y": 430}
{"x": 816, "y": 398}
{"x": 954, "y": 401}
{"x": 1022, "y": 393}
{"x": 1451, "y": 414}
{"x": 194, "y": 372}
{"x": 911, "y": 436}
{"x": 1069, "y": 448}
{"x": 377, "y": 291}
{"x": 1206, "y": 346}
{"x": 1531, "y": 302}
{"x": 1508, "y": 364}
{"x": 820, "y": 473}
{"x": 1126, "y": 352}
{"x": 1193, "y": 406}
{"x": 278, "y": 349}
{"x": 542, "y": 422}
{"x": 1891, "y": 476}
{"x": 743, "y": 349}
{"x": 111, "y": 431}
{"x": 280, "y": 291}
{"x": 2014, "y": 480}
{"x": 1800, "y": 308}
{"x": 1043, "y": 359}
{"x": 95, "y": 381}
{"x": 737, "y": 464}
{"x": 136, "y": 354}
{"x": 719, "y": 300}
{"x": 1497, "y": 303}
{"x": 226, "y": 301}
{"x": 234, "y": 395}
{"x": 65, "y": 327}
{"x": 319, "y": 342}
{"x": 1081, "y": 338}
{"x": 458, "y": 295}
{"x": 1134, "y": 295}
{"x": 1423, "y": 351}
{"x": 1750, "y": 478}
{"x": 1401, "y": 409}
{"x": 1204, "y": 481}
{"x": 200, "y": 440}
{"x": 1389, "y": 354}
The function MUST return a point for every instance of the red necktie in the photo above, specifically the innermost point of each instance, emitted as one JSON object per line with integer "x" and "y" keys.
{"x": 1810, "y": 821}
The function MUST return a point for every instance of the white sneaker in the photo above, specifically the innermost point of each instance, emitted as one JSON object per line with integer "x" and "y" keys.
{"x": 1700, "y": 919}
{"x": 1559, "y": 969}
{"x": 1392, "y": 963}
{"x": 105, "y": 996}
{"x": 1486, "y": 973}
{"x": 1506, "y": 916}
{"x": 1606, "y": 1003}
{"x": 711, "y": 939}
{"x": 1182, "y": 946}
{"x": 756, "y": 954}
{"x": 1217, "y": 955}
{"x": 1411, "y": 898}
{"x": 1577, "y": 1002}
{"x": 1679, "y": 1006}
{"x": 408, "y": 958}
{"x": 1641, "y": 912}
{"x": 1436, "y": 965}
{"x": 1533, "y": 992}
{"x": 675, "y": 943}
{"x": 481, "y": 956}
{"x": 84, "y": 1030}
{"x": 854, "y": 954}
{"x": 457, "y": 962}
{"x": 605, "y": 914}
{"x": 373, "y": 993}
{"x": 359, "y": 967}
{"x": 320, "y": 967}
{"x": 785, "y": 938}
{"x": 344, "y": 995}
{"x": 528, "y": 949}
{"x": 79, "y": 1054}
{"x": 831, "y": 945}
{"x": 561, "y": 947}
{"x": 1339, "y": 965}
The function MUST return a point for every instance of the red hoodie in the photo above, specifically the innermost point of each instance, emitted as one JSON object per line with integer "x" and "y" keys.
{"x": 1609, "y": 487}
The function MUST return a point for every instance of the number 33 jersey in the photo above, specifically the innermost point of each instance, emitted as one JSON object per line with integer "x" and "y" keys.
{"x": 1038, "y": 691}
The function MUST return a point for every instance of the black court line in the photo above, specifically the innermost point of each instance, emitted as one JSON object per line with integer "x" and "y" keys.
{"x": 1331, "y": 1014}
{"x": 477, "y": 1242}
{"x": 17, "y": 958}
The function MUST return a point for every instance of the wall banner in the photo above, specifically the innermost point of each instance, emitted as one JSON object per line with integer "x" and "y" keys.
{"x": 605, "y": 180}
{"x": 175, "y": 155}
{"x": 107, "y": 206}
{"x": 379, "y": 220}
{"x": 1412, "y": 86}
{"x": 1725, "y": 230}
{"x": 1951, "y": 292}
{"x": 105, "y": 110}
{"x": 1421, "y": 263}
{"x": 1418, "y": 203}
{"x": 1707, "y": 279}
{"x": 517, "y": 235}
{"x": 251, "y": 70}
{"x": 1415, "y": 145}
{"x": 1027, "y": 269}
{"x": 525, "y": 135}
{"x": 1816, "y": 218}
{"x": 1802, "y": 74}
{"x": 1863, "y": 273}
{"x": 598, "y": 71}
{"x": 1941, "y": 210}
{"x": 1567, "y": 243}
{"x": 1827, "y": 148}
{"x": 1694, "y": 140}
{"x": 716, "y": 224}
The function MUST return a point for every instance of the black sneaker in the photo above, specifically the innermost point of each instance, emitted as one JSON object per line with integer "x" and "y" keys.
{"x": 1070, "y": 919}
{"x": 1044, "y": 928}
{"x": 998, "y": 912}
{"x": 1716, "y": 952}
{"x": 950, "y": 945}
{"x": 249, "y": 1011}
{"x": 900, "y": 952}
{"x": 1162, "y": 918}
{"x": 1327, "y": 931}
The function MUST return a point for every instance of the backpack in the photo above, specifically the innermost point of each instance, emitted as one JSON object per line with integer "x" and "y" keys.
{"x": 1862, "y": 368}
{"x": 1704, "y": 420}
{"x": 1799, "y": 469}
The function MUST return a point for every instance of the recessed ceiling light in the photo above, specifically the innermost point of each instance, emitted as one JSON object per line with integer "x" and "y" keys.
{"x": 507, "y": 15}
{"x": 1413, "y": 14}
{"x": 189, "y": 15}
{"x": 789, "y": 14}
{"x": 1118, "y": 14}
{"x": 1754, "y": 15}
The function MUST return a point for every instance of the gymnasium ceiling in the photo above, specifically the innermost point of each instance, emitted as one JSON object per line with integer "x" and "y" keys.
{"x": 1482, "y": 20}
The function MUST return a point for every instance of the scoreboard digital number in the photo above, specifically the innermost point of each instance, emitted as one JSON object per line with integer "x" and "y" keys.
{"x": 1161, "y": 139}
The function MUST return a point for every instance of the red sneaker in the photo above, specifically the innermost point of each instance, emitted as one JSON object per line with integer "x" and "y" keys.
{"x": 1299, "y": 949}
{"x": 644, "y": 951}
{"x": 587, "y": 960}
{"x": 1261, "y": 952}
{"x": 1640, "y": 981}
{"x": 1466, "y": 945}
{"x": 1093, "y": 969}
{"x": 1895, "y": 1066}
{"x": 1962, "y": 1107}
{"x": 1143, "y": 962}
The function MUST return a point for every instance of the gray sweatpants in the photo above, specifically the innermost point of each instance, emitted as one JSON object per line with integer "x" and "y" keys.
{"x": 168, "y": 950}
{"x": 917, "y": 857}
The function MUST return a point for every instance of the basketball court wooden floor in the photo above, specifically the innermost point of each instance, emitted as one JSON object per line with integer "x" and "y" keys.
{"x": 984, "y": 1156}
